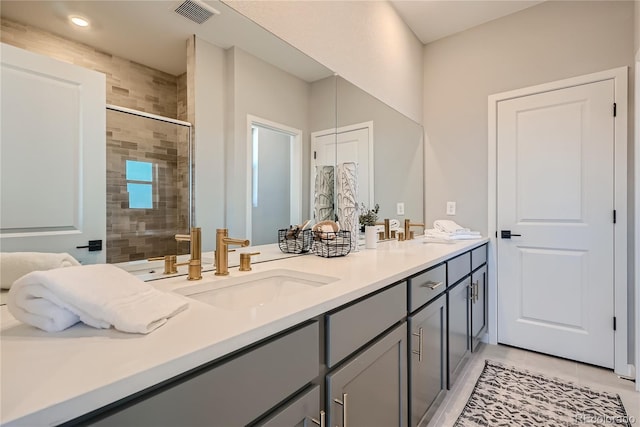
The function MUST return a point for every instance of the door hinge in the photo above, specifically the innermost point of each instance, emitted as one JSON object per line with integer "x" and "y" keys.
{"x": 614, "y": 323}
{"x": 614, "y": 216}
{"x": 314, "y": 155}
{"x": 615, "y": 108}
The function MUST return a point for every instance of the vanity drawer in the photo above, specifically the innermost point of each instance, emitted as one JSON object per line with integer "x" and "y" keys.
{"x": 478, "y": 257}
{"x": 233, "y": 393}
{"x": 426, "y": 286}
{"x": 458, "y": 267}
{"x": 352, "y": 327}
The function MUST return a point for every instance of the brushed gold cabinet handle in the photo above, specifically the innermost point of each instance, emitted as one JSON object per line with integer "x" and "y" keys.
{"x": 433, "y": 285}
{"x": 320, "y": 422}
{"x": 420, "y": 336}
{"x": 343, "y": 403}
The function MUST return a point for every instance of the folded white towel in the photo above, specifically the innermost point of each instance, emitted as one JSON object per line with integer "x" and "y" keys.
{"x": 99, "y": 295}
{"x": 441, "y": 235}
{"x": 14, "y": 265}
{"x": 448, "y": 226}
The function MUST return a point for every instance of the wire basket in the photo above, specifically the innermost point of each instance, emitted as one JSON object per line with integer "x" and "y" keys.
{"x": 331, "y": 244}
{"x": 294, "y": 241}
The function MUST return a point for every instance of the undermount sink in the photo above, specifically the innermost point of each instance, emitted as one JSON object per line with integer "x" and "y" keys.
{"x": 254, "y": 290}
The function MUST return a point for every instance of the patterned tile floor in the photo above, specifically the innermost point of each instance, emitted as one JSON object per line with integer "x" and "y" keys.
{"x": 590, "y": 376}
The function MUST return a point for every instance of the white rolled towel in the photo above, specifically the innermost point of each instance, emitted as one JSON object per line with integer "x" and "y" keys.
{"x": 99, "y": 295}
{"x": 448, "y": 226}
{"x": 14, "y": 265}
{"x": 441, "y": 235}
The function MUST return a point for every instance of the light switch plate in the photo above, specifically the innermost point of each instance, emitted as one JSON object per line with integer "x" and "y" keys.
{"x": 400, "y": 208}
{"x": 451, "y": 208}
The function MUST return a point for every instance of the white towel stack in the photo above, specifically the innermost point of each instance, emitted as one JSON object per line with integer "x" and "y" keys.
{"x": 100, "y": 295}
{"x": 447, "y": 230}
{"x": 14, "y": 265}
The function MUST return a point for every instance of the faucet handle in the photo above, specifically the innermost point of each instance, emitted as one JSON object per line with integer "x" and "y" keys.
{"x": 245, "y": 260}
{"x": 170, "y": 263}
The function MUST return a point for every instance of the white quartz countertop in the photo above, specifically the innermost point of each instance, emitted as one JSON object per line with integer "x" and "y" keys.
{"x": 50, "y": 378}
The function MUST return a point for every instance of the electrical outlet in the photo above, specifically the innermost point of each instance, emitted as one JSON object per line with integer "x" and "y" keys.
{"x": 400, "y": 208}
{"x": 451, "y": 208}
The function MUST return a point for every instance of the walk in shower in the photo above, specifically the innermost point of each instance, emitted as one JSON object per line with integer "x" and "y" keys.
{"x": 149, "y": 185}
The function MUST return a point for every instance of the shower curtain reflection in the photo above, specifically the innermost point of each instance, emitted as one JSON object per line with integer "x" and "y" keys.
{"x": 148, "y": 185}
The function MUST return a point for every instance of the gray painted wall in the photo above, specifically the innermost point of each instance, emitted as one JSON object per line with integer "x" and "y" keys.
{"x": 548, "y": 42}
{"x": 209, "y": 141}
{"x": 552, "y": 41}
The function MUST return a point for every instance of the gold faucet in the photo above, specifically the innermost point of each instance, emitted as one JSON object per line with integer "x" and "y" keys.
{"x": 408, "y": 235}
{"x": 222, "y": 250}
{"x": 195, "y": 261}
{"x": 386, "y": 235}
{"x": 169, "y": 263}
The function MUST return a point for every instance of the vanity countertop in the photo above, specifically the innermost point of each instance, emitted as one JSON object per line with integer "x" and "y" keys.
{"x": 50, "y": 378}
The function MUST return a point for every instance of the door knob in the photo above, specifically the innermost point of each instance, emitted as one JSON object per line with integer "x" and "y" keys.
{"x": 506, "y": 234}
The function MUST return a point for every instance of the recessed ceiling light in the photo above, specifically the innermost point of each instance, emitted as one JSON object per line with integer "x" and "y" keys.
{"x": 79, "y": 21}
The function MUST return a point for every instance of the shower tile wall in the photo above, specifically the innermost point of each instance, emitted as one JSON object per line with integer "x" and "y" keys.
{"x": 131, "y": 85}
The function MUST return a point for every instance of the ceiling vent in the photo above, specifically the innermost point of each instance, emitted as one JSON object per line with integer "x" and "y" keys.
{"x": 196, "y": 11}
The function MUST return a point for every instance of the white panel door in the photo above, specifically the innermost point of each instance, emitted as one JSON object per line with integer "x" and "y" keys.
{"x": 355, "y": 146}
{"x": 53, "y": 172}
{"x": 349, "y": 144}
{"x": 556, "y": 196}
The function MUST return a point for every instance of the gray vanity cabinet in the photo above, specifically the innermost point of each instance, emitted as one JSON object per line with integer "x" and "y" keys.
{"x": 478, "y": 306}
{"x": 427, "y": 360}
{"x": 370, "y": 389}
{"x": 233, "y": 393}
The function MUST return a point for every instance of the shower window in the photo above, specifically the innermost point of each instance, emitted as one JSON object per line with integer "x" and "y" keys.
{"x": 139, "y": 184}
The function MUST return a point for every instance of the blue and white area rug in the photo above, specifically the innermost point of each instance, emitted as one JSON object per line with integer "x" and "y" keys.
{"x": 511, "y": 397}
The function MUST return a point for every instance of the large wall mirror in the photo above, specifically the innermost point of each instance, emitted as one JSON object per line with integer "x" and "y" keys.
{"x": 271, "y": 100}
{"x": 389, "y": 150}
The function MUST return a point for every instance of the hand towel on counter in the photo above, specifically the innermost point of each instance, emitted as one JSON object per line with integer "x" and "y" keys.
{"x": 440, "y": 235}
{"x": 14, "y": 265}
{"x": 448, "y": 226}
{"x": 447, "y": 230}
{"x": 100, "y": 295}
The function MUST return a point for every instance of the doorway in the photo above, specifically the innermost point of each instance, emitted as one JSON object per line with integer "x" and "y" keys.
{"x": 274, "y": 197}
{"x": 557, "y": 180}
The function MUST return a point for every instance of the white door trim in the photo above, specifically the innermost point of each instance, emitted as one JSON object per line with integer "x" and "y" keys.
{"x": 637, "y": 215}
{"x": 295, "y": 171}
{"x": 619, "y": 76}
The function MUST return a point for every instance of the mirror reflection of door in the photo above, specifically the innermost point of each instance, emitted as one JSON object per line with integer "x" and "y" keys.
{"x": 275, "y": 182}
{"x": 352, "y": 143}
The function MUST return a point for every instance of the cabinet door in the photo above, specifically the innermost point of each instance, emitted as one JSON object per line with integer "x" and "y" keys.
{"x": 299, "y": 412}
{"x": 478, "y": 305}
{"x": 457, "y": 327}
{"x": 370, "y": 390}
{"x": 427, "y": 366}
